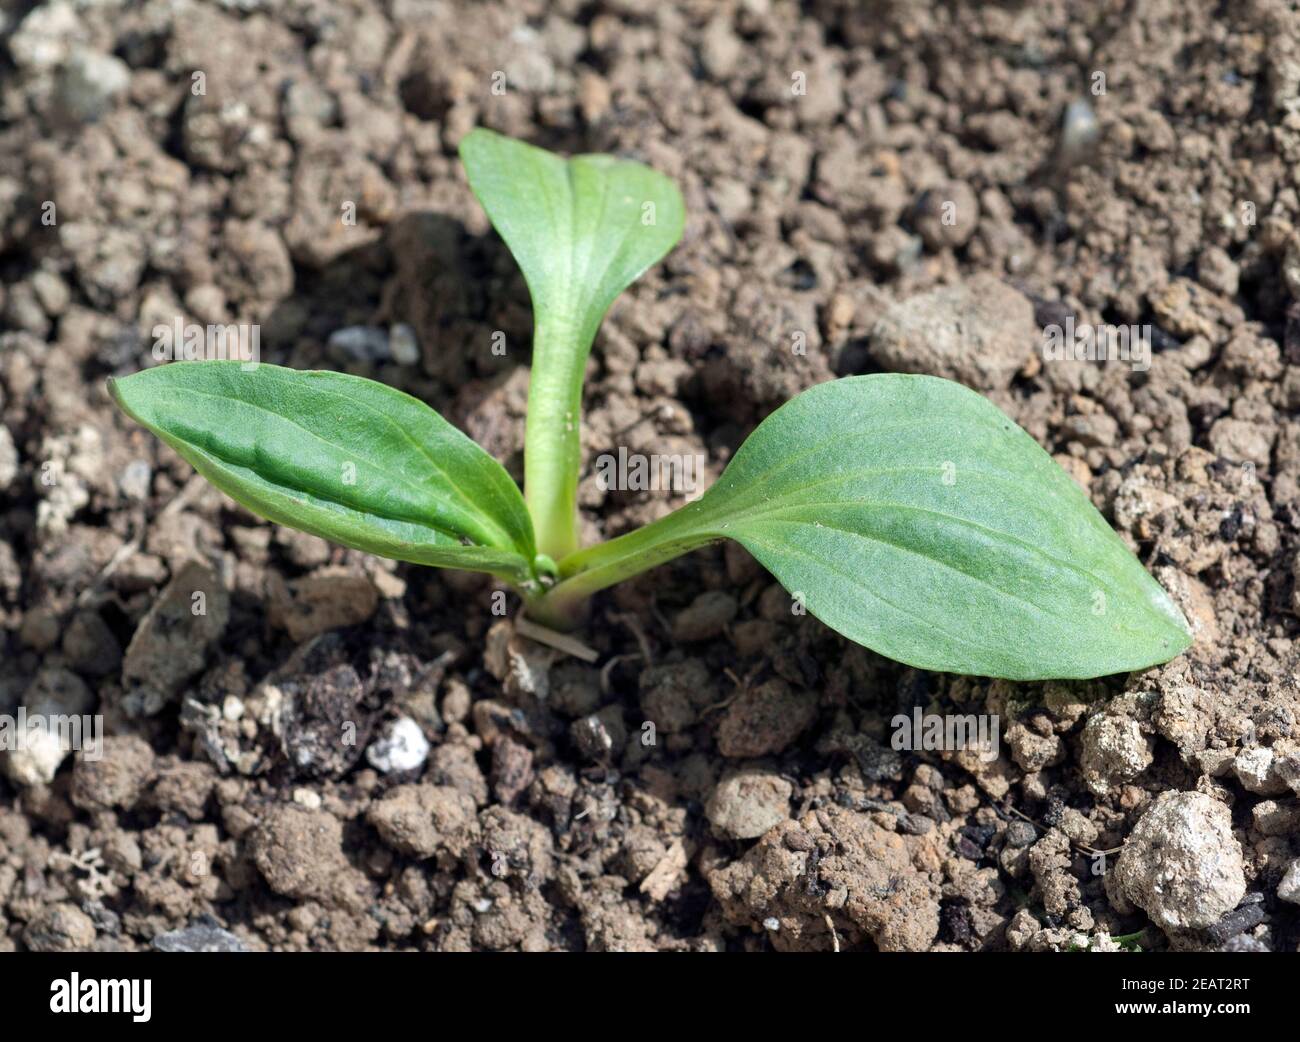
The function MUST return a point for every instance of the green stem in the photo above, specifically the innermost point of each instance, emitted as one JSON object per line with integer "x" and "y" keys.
{"x": 552, "y": 446}
{"x": 590, "y": 570}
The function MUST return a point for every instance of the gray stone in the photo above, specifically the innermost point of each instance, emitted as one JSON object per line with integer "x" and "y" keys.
{"x": 364, "y": 343}
{"x": 202, "y": 935}
{"x": 171, "y": 643}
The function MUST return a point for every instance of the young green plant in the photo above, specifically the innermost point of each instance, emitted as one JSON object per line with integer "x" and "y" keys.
{"x": 906, "y": 512}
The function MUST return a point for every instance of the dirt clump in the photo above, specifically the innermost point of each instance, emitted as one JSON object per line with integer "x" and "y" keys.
{"x": 1181, "y": 864}
{"x": 831, "y": 870}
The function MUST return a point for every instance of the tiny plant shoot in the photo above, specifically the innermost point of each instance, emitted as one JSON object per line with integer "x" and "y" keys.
{"x": 906, "y": 512}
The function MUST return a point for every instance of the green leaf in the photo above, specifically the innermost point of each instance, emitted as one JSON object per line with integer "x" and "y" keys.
{"x": 345, "y": 458}
{"x": 582, "y": 230}
{"x": 911, "y": 515}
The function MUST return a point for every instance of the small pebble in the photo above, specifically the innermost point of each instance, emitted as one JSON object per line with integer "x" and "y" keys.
{"x": 1288, "y": 889}
{"x": 401, "y": 747}
{"x": 592, "y": 738}
{"x": 1181, "y": 864}
{"x": 364, "y": 343}
{"x": 402, "y": 344}
{"x": 135, "y": 480}
{"x": 1079, "y": 129}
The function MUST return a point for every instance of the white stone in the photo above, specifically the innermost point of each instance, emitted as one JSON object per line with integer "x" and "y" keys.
{"x": 33, "y": 756}
{"x": 38, "y": 759}
{"x": 401, "y": 747}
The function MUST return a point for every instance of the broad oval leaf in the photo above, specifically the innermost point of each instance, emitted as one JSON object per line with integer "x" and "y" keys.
{"x": 342, "y": 457}
{"x": 911, "y": 515}
{"x": 581, "y": 229}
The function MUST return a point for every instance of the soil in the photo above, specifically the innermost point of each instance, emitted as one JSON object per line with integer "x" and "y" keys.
{"x": 343, "y": 753}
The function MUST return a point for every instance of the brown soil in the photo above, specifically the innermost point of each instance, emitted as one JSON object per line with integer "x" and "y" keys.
{"x": 721, "y": 777}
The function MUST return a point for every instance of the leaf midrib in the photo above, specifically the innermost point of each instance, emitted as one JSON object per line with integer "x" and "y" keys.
{"x": 228, "y": 461}
{"x": 961, "y": 640}
{"x": 491, "y": 558}
{"x": 293, "y": 494}
{"x": 775, "y": 512}
{"x": 423, "y": 451}
{"x": 902, "y": 548}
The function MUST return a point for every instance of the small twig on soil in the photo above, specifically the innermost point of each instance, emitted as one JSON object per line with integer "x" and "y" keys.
{"x": 608, "y": 668}
{"x": 432, "y": 674}
{"x": 182, "y": 499}
{"x": 741, "y": 685}
{"x": 559, "y": 641}
{"x": 129, "y": 549}
{"x": 645, "y": 654}
{"x": 835, "y": 938}
{"x": 124, "y": 553}
{"x": 642, "y": 640}
{"x": 664, "y": 624}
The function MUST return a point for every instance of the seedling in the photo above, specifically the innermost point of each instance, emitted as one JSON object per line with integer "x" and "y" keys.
{"x": 906, "y": 512}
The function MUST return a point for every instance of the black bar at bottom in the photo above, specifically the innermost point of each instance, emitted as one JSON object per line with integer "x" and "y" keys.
{"x": 335, "y": 992}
